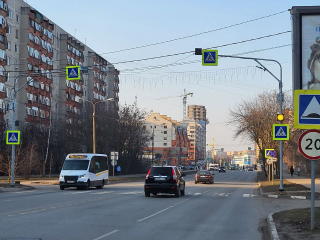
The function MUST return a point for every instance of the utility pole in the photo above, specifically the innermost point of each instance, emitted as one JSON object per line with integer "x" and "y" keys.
{"x": 198, "y": 51}
{"x": 152, "y": 145}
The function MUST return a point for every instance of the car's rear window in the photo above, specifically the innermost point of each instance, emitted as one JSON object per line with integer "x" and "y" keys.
{"x": 164, "y": 171}
{"x": 203, "y": 172}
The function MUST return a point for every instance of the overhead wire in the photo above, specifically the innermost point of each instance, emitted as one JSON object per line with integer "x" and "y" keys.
{"x": 197, "y": 34}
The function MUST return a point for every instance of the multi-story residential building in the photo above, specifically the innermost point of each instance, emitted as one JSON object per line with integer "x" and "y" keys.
{"x": 197, "y": 112}
{"x": 197, "y": 137}
{"x": 169, "y": 140}
{"x": 34, "y": 53}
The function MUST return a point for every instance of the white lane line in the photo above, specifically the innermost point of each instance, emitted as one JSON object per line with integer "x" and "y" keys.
{"x": 102, "y": 192}
{"x": 152, "y": 215}
{"x": 196, "y": 194}
{"x": 228, "y": 194}
{"x": 221, "y": 194}
{"x": 24, "y": 192}
{"x": 106, "y": 235}
{"x": 246, "y": 195}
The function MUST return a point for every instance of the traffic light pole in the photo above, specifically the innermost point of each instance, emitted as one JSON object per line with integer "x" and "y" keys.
{"x": 257, "y": 60}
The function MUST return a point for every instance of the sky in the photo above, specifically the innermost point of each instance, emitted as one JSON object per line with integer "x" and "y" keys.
{"x": 125, "y": 30}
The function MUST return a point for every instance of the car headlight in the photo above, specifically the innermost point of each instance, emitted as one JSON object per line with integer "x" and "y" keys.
{"x": 61, "y": 176}
{"x": 82, "y": 176}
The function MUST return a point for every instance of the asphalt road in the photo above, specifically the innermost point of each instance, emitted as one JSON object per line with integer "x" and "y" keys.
{"x": 227, "y": 209}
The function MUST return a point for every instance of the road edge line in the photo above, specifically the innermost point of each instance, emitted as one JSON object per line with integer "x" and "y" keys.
{"x": 272, "y": 228}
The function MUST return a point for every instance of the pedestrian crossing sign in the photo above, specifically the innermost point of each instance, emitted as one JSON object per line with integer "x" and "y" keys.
{"x": 73, "y": 72}
{"x": 210, "y": 57}
{"x": 13, "y": 138}
{"x": 280, "y": 131}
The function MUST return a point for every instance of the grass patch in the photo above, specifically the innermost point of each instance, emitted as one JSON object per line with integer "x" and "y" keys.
{"x": 267, "y": 186}
{"x": 296, "y": 224}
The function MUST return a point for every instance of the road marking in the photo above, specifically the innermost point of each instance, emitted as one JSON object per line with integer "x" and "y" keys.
{"x": 106, "y": 235}
{"x": 24, "y": 192}
{"x": 124, "y": 193}
{"x": 197, "y": 194}
{"x": 102, "y": 192}
{"x": 152, "y": 215}
{"x": 221, "y": 194}
{"x": 246, "y": 195}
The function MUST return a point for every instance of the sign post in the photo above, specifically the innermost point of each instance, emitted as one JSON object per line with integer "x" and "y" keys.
{"x": 309, "y": 146}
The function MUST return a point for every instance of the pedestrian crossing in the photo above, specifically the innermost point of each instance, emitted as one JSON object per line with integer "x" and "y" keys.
{"x": 245, "y": 195}
{"x": 217, "y": 194}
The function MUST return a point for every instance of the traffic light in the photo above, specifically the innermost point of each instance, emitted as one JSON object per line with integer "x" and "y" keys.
{"x": 280, "y": 117}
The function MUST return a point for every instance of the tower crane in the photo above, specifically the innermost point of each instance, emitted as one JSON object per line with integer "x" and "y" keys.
{"x": 184, "y": 97}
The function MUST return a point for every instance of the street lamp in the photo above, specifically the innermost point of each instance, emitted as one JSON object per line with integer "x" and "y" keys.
{"x": 93, "y": 121}
{"x": 14, "y": 120}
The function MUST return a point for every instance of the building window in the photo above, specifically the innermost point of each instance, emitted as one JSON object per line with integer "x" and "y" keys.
{"x": 17, "y": 33}
{"x": 16, "y": 48}
{"x": 165, "y": 138}
{"x": 165, "y": 132}
{"x": 9, "y": 29}
{"x": 165, "y": 144}
{"x": 9, "y": 45}
{"x": 10, "y": 14}
{"x": 2, "y": 38}
{"x": 8, "y": 60}
{"x": 17, "y": 18}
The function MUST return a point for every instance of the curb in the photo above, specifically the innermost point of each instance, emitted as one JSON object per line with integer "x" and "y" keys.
{"x": 285, "y": 196}
{"x": 281, "y": 196}
{"x": 272, "y": 228}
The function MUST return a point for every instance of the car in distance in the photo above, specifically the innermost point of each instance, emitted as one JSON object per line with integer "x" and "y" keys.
{"x": 204, "y": 176}
{"x": 164, "y": 179}
{"x": 222, "y": 169}
{"x": 250, "y": 169}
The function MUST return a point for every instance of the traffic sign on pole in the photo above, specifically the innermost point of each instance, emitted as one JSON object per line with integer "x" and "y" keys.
{"x": 309, "y": 144}
{"x": 280, "y": 131}
{"x": 13, "y": 138}
{"x": 210, "y": 57}
{"x": 307, "y": 109}
{"x": 73, "y": 72}
{"x": 269, "y": 153}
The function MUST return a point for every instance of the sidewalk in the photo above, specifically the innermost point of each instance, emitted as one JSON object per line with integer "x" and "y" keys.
{"x": 302, "y": 180}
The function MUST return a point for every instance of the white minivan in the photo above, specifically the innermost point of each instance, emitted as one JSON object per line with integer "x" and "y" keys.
{"x": 84, "y": 170}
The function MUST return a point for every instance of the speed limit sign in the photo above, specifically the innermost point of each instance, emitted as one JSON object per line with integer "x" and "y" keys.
{"x": 309, "y": 144}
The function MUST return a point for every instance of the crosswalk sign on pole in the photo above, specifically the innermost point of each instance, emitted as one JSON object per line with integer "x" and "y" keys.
{"x": 210, "y": 57}
{"x": 73, "y": 72}
{"x": 280, "y": 131}
{"x": 13, "y": 138}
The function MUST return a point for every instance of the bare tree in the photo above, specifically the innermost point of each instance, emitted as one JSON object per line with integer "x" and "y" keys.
{"x": 253, "y": 120}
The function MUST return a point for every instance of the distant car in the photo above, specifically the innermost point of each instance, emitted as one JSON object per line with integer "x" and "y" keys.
{"x": 204, "y": 176}
{"x": 164, "y": 179}
{"x": 250, "y": 169}
{"x": 222, "y": 169}
{"x": 189, "y": 167}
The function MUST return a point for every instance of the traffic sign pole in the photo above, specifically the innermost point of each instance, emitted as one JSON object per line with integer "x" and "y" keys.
{"x": 313, "y": 169}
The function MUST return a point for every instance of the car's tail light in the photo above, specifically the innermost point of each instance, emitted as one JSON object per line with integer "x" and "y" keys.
{"x": 208, "y": 176}
{"x": 148, "y": 174}
{"x": 174, "y": 175}
{"x": 197, "y": 175}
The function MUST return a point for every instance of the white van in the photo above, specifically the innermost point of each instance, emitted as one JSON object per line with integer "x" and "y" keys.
{"x": 84, "y": 170}
{"x": 214, "y": 166}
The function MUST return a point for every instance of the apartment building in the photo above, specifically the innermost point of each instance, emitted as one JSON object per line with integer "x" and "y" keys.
{"x": 197, "y": 137}
{"x": 169, "y": 140}
{"x": 197, "y": 112}
{"x": 34, "y": 53}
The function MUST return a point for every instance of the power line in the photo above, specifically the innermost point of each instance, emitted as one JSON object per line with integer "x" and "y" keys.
{"x": 196, "y": 61}
{"x": 224, "y": 45}
{"x": 194, "y": 35}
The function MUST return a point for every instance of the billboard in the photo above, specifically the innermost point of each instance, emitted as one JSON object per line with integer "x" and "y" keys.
{"x": 306, "y": 47}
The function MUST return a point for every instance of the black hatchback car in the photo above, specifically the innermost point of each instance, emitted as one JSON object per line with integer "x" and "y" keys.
{"x": 164, "y": 179}
{"x": 222, "y": 169}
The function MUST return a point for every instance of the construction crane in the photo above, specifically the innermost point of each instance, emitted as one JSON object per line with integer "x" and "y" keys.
{"x": 185, "y": 95}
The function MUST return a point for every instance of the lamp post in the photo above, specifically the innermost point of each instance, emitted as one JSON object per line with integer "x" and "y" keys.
{"x": 93, "y": 121}
{"x": 14, "y": 121}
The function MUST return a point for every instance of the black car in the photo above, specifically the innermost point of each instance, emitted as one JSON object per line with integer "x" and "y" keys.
{"x": 222, "y": 169}
{"x": 164, "y": 179}
{"x": 204, "y": 176}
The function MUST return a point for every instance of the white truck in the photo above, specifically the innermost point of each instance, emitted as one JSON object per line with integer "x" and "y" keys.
{"x": 214, "y": 166}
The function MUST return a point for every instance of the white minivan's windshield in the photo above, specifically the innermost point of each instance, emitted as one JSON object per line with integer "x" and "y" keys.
{"x": 75, "y": 165}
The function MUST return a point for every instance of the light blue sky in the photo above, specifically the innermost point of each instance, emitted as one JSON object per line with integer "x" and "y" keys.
{"x": 108, "y": 26}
